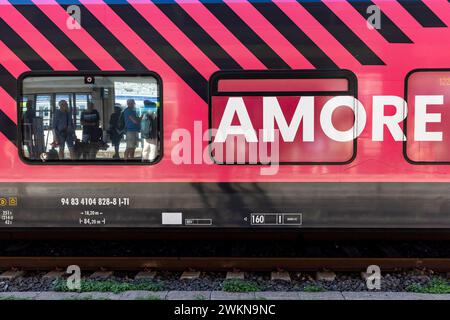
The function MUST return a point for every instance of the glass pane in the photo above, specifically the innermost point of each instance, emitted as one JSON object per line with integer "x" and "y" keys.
{"x": 428, "y": 83}
{"x": 96, "y": 118}
{"x": 285, "y": 136}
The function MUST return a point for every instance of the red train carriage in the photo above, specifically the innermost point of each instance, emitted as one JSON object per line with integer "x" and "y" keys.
{"x": 224, "y": 114}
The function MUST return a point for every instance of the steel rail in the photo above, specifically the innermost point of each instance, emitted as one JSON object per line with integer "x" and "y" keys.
{"x": 223, "y": 263}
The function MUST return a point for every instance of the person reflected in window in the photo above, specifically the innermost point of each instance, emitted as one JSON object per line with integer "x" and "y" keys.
{"x": 132, "y": 128}
{"x": 149, "y": 131}
{"x": 115, "y": 131}
{"x": 28, "y": 128}
{"x": 90, "y": 120}
{"x": 63, "y": 129}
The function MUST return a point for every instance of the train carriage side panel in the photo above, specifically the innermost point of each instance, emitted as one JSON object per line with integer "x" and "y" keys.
{"x": 183, "y": 62}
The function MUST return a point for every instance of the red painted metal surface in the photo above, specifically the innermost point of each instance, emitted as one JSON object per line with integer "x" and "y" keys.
{"x": 375, "y": 161}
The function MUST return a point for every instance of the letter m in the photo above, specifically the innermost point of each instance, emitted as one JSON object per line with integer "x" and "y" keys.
{"x": 273, "y": 113}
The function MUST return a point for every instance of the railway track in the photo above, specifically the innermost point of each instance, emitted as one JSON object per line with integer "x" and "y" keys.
{"x": 223, "y": 263}
{"x": 270, "y": 265}
{"x": 226, "y": 256}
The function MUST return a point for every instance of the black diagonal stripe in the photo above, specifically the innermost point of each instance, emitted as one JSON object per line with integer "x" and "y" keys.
{"x": 295, "y": 35}
{"x": 199, "y": 36}
{"x": 110, "y": 43}
{"x": 388, "y": 29}
{"x": 422, "y": 14}
{"x": 49, "y": 30}
{"x": 8, "y": 127}
{"x": 21, "y": 49}
{"x": 342, "y": 33}
{"x": 163, "y": 48}
{"x": 8, "y": 82}
{"x": 246, "y": 35}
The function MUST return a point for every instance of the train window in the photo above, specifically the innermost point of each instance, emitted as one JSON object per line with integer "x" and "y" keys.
{"x": 95, "y": 118}
{"x": 278, "y": 116}
{"x": 428, "y": 141}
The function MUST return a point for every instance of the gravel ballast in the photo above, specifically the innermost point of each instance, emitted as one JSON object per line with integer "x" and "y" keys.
{"x": 170, "y": 281}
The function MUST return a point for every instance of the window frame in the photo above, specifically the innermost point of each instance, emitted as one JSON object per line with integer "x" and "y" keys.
{"x": 405, "y": 120}
{"x": 66, "y": 162}
{"x": 284, "y": 74}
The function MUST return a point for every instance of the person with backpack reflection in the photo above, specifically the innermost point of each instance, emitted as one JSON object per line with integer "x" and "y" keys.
{"x": 92, "y": 134}
{"x": 149, "y": 132}
{"x": 28, "y": 128}
{"x": 132, "y": 127}
{"x": 64, "y": 130}
{"x": 116, "y": 129}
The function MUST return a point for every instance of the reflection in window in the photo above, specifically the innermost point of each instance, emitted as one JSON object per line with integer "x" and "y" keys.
{"x": 108, "y": 118}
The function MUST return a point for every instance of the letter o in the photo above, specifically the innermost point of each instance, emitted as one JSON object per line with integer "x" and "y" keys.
{"x": 327, "y": 113}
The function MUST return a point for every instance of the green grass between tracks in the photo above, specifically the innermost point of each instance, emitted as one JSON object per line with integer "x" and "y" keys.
{"x": 313, "y": 288}
{"x": 110, "y": 286}
{"x": 435, "y": 285}
{"x": 237, "y": 285}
